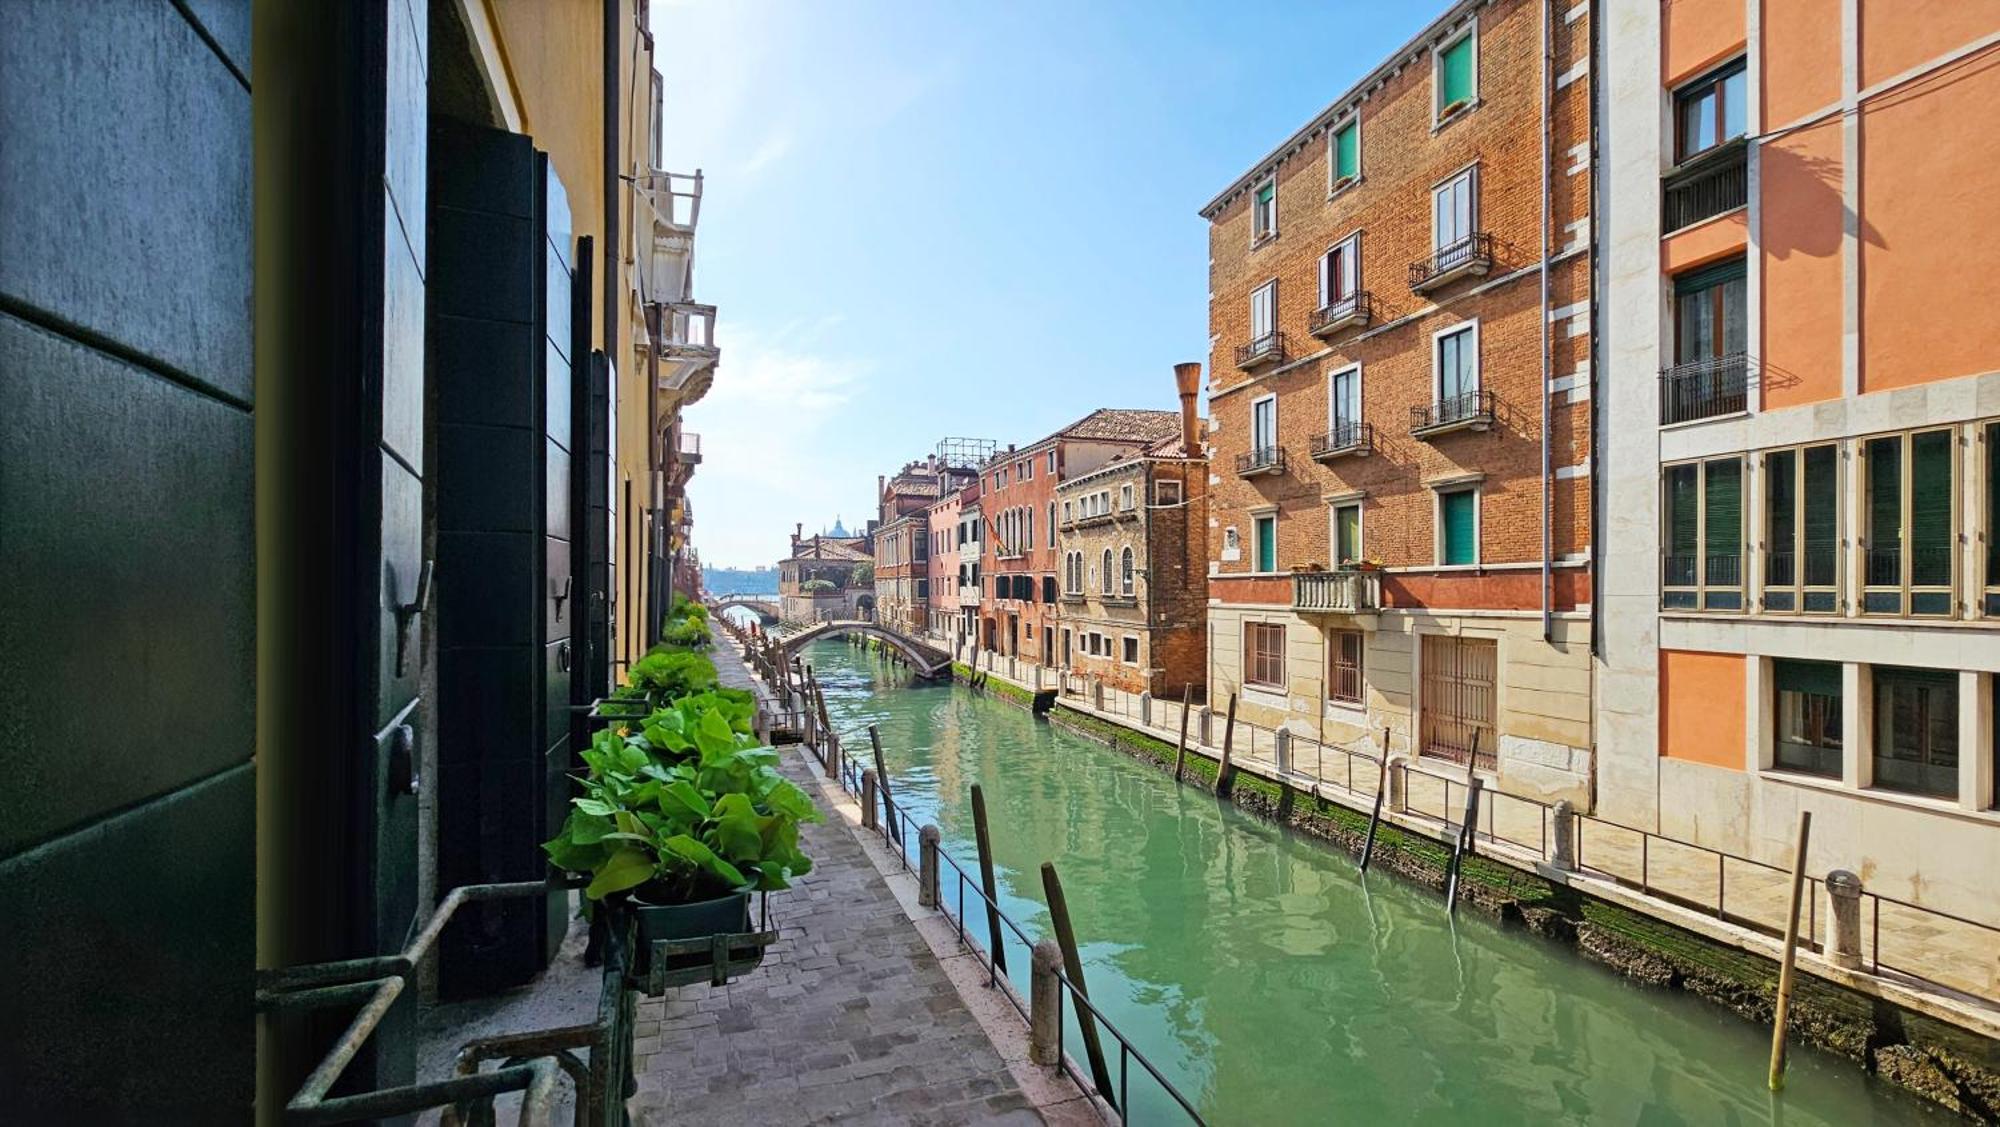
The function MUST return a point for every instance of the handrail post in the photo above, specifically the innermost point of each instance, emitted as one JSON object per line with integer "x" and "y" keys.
{"x": 1045, "y": 1004}
{"x": 1843, "y": 941}
{"x": 927, "y": 867}
{"x": 1565, "y": 852}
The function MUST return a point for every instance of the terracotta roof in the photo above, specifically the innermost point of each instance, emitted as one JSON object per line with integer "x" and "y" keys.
{"x": 838, "y": 551}
{"x": 1113, "y": 423}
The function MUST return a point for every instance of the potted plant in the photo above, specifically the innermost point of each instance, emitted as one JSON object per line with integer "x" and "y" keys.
{"x": 679, "y": 822}
{"x": 1365, "y": 563}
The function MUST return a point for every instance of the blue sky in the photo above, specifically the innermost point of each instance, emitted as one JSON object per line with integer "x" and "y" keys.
{"x": 940, "y": 218}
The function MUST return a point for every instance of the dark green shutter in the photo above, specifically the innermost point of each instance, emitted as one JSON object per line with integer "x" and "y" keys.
{"x": 1457, "y": 71}
{"x": 1931, "y": 548}
{"x": 1683, "y": 531}
{"x": 1781, "y": 513}
{"x": 1722, "y": 532}
{"x": 1457, "y": 510}
{"x": 1346, "y": 152}
{"x": 1821, "y": 497}
{"x": 1822, "y": 678}
{"x": 1885, "y": 506}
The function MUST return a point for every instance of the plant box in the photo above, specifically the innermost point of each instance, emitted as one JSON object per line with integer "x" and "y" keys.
{"x": 724, "y": 915}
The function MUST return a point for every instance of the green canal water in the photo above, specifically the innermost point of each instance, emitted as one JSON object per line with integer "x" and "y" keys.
{"x": 1274, "y": 983}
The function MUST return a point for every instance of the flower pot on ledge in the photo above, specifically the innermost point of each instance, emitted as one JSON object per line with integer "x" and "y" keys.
{"x": 721, "y": 915}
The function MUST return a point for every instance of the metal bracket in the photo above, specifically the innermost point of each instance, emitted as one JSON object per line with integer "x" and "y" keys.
{"x": 410, "y": 610}
{"x": 562, "y": 596}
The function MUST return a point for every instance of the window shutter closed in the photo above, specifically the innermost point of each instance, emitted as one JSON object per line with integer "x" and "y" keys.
{"x": 1458, "y": 72}
{"x": 1822, "y": 514}
{"x": 1930, "y": 509}
{"x": 1346, "y": 153}
{"x": 1458, "y": 527}
{"x": 1723, "y": 484}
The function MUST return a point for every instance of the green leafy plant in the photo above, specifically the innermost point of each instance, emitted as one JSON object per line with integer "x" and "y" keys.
{"x": 665, "y": 676}
{"x": 687, "y": 808}
{"x": 690, "y": 632}
{"x": 816, "y": 585}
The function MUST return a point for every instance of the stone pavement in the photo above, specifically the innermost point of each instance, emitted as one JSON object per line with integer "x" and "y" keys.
{"x": 850, "y": 1019}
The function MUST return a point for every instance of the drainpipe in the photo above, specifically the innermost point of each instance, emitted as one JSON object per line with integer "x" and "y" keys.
{"x": 1596, "y": 337}
{"x": 1548, "y": 547}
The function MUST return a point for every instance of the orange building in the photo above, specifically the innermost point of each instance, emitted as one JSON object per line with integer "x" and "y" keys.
{"x": 1801, "y": 602}
{"x": 1401, "y": 441}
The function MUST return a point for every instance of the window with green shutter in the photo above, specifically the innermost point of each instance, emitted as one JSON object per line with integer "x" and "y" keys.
{"x": 1347, "y": 152}
{"x": 1802, "y": 530}
{"x": 1722, "y": 534}
{"x": 1264, "y": 213}
{"x": 1458, "y": 527}
{"x": 1909, "y": 492}
{"x": 1267, "y": 544}
{"x": 1454, "y": 76}
{"x": 1346, "y": 535}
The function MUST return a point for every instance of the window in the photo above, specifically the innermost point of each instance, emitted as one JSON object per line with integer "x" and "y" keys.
{"x": 1343, "y": 153}
{"x": 1027, "y": 529}
{"x": 1104, "y": 577}
{"x": 1802, "y": 530}
{"x": 1346, "y": 534}
{"x": 1455, "y": 74}
{"x": 1267, "y": 544}
{"x": 1264, "y": 654}
{"x": 1125, "y": 572}
{"x": 1911, "y": 534}
{"x": 1125, "y": 498}
{"x": 1069, "y": 513}
{"x": 1131, "y": 650}
{"x": 1343, "y": 678}
{"x": 1263, "y": 311}
{"x": 1048, "y": 588}
{"x": 1458, "y": 527}
{"x": 1453, "y": 213}
{"x": 1709, "y": 317}
{"x": 1027, "y": 470}
{"x": 1457, "y": 366}
{"x": 1703, "y": 564}
{"x": 1709, "y": 111}
{"x": 1808, "y": 732}
{"x": 1340, "y": 271}
{"x": 1052, "y": 461}
{"x": 1264, "y": 212}
{"x": 1916, "y": 730}
{"x": 1458, "y": 700}
{"x": 923, "y": 588}
{"x": 1264, "y": 429}
{"x": 656, "y": 147}
{"x": 1167, "y": 491}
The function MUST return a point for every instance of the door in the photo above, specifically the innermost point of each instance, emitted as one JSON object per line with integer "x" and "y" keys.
{"x": 1452, "y": 211}
{"x": 1263, "y": 426}
{"x": 1263, "y": 311}
{"x": 1344, "y": 405}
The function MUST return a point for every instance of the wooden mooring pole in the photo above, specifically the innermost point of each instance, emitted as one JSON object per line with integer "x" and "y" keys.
{"x": 1180, "y": 747}
{"x": 882, "y": 780}
{"x": 1224, "y": 777}
{"x": 986, "y": 881}
{"x": 1463, "y": 845}
{"x": 1073, "y": 970}
{"x": 1381, "y": 792}
{"x": 1784, "y": 1007}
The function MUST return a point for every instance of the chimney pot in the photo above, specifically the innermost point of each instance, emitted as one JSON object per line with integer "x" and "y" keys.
{"x": 1187, "y": 380}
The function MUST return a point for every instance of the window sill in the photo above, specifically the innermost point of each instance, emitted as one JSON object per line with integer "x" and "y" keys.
{"x": 1342, "y": 188}
{"x": 1260, "y": 241}
{"x": 1440, "y": 124}
{"x": 1943, "y": 806}
{"x": 1346, "y": 713}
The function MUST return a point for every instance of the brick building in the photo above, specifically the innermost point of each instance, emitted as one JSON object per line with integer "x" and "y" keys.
{"x": 1018, "y": 505}
{"x": 1803, "y": 595}
{"x": 1132, "y": 543}
{"x": 903, "y": 542}
{"x": 1400, "y": 381}
{"x": 941, "y": 617}
{"x": 821, "y": 577}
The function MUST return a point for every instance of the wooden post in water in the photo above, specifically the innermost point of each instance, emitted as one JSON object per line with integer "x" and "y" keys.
{"x": 986, "y": 882}
{"x": 814, "y": 733}
{"x": 1180, "y": 747}
{"x": 818, "y": 704}
{"x": 1381, "y": 792}
{"x": 1784, "y": 1006}
{"x": 882, "y": 781}
{"x": 1224, "y": 778}
{"x": 1461, "y": 846}
{"x": 1073, "y": 969}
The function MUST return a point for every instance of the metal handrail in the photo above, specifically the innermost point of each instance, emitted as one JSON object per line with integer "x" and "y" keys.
{"x": 1465, "y": 408}
{"x": 1347, "y": 435}
{"x": 1357, "y": 306}
{"x": 1475, "y": 251}
{"x": 1270, "y": 346}
{"x": 1261, "y": 458}
{"x": 1705, "y": 388}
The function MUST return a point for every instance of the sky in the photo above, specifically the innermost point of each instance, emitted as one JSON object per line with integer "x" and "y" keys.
{"x": 931, "y": 218}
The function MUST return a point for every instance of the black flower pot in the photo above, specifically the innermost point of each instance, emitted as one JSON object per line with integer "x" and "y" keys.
{"x": 724, "y": 915}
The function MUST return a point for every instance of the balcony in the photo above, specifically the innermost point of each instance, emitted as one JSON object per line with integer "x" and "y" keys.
{"x": 1346, "y": 437}
{"x": 1267, "y": 349}
{"x": 1469, "y": 257}
{"x": 1706, "y": 186}
{"x": 688, "y": 449}
{"x": 1352, "y": 312}
{"x": 1337, "y": 592}
{"x": 683, "y": 334}
{"x": 1472, "y": 410}
{"x": 1262, "y": 460}
{"x": 1703, "y": 389}
{"x": 669, "y": 208}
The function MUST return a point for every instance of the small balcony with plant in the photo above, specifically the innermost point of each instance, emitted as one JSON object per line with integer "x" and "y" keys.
{"x": 1266, "y": 349}
{"x": 1470, "y": 410}
{"x": 1469, "y": 257}
{"x": 1348, "y": 437}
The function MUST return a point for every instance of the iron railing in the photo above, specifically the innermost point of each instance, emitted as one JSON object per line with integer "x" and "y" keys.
{"x": 1703, "y": 389}
{"x": 1471, "y": 409}
{"x": 1268, "y": 348}
{"x": 1356, "y": 309}
{"x": 1348, "y": 436}
{"x": 1472, "y": 254}
{"x": 1712, "y": 183}
{"x": 1336, "y": 592}
{"x": 1260, "y": 459}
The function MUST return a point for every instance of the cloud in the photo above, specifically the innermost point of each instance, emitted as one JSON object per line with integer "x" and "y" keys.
{"x": 769, "y": 152}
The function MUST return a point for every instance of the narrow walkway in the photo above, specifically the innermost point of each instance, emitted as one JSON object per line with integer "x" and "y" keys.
{"x": 850, "y": 1019}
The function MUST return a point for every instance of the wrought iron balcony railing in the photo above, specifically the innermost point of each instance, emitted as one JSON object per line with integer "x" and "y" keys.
{"x": 1267, "y": 349}
{"x": 1469, "y": 256}
{"x": 1337, "y": 592}
{"x": 1353, "y": 311}
{"x": 1704, "y": 389}
{"x": 1472, "y": 410}
{"x": 1346, "y": 437}
{"x": 1260, "y": 460}
{"x": 1715, "y": 182}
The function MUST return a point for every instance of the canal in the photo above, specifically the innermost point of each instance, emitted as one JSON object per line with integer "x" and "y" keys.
{"x": 1274, "y": 983}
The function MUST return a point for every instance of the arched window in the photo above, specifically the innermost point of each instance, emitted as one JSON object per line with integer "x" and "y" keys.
{"x": 1125, "y": 571}
{"x": 1107, "y": 571}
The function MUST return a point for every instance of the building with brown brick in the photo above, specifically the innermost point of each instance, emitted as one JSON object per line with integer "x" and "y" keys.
{"x": 941, "y": 617}
{"x": 826, "y": 576}
{"x": 1132, "y": 539}
{"x": 903, "y": 540}
{"x": 1018, "y": 505}
{"x": 1400, "y": 407}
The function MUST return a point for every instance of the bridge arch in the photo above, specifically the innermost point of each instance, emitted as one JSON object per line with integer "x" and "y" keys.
{"x": 928, "y": 660}
{"x": 766, "y": 609}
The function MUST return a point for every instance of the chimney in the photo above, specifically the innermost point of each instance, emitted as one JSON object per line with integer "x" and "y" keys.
{"x": 1187, "y": 378}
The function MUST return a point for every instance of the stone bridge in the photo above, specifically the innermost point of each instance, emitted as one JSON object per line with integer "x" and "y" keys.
{"x": 929, "y": 660}
{"x": 762, "y": 606}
